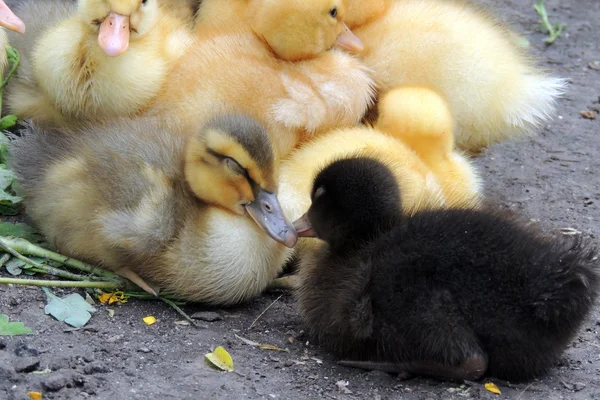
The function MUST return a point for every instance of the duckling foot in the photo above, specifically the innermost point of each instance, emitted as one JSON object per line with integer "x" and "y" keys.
{"x": 290, "y": 282}
{"x": 135, "y": 278}
{"x": 470, "y": 370}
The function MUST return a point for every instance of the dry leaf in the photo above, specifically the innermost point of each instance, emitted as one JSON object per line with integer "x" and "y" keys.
{"x": 182, "y": 322}
{"x": 149, "y": 320}
{"x": 343, "y": 386}
{"x": 491, "y": 387}
{"x": 221, "y": 359}
{"x": 46, "y": 371}
{"x": 111, "y": 312}
{"x": 110, "y": 298}
{"x": 261, "y": 346}
{"x": 595, "y": 65}
{"x": 35, "y": 395}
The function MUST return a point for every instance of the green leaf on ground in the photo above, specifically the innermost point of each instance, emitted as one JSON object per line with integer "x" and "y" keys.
{"x": 12, "y": 328}
{"x": 15, "y": 266}
{"x": 72, "y": 309}
{"x": 22, "y": 231}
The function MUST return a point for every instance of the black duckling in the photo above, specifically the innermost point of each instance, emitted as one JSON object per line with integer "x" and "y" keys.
{"x": 189, "y": 215}
{"x": 451, "y": 294}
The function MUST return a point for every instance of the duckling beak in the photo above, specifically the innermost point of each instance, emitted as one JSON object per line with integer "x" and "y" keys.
{"x": 113, "y": 36}
{"x": 9, "y": 20}
{"x": 266, "y": 212}
{"x": 303, "y": 227}
{"x": 349, "y": 41}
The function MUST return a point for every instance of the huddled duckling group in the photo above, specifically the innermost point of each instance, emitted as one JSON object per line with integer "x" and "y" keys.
{"x": 174, "y": 141}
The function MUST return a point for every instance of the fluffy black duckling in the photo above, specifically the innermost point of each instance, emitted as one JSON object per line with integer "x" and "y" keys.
{"x": 187, "y": 215}
{"x": 451, "y": 294}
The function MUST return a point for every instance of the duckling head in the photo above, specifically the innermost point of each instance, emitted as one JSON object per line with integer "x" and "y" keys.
{"x": 9, "y": 20}
{"x": 118, "y": 21}
{"x": 360, "y": 12}
{"x": 230, "y": 162}
{"x": 302, "y": 29}
{"x": 352, "y": 199}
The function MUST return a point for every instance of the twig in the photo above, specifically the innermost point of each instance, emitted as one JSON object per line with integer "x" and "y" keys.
{"x": 65, "y": 284}
{"x": 26, "y": 247}
{"x": 554, "y": 31}
{"x": 180, "y": 311}
{"x": 524, "y": 390}
{"x": 262, "y": 313}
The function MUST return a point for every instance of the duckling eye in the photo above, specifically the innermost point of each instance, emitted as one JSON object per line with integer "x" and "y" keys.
{"x": 234, "y": 166}
{"x": 144, "y": 1}
{"x": 333, "y": 12}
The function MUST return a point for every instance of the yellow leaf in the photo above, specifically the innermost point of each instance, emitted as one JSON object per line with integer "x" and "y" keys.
{"x": 221, "y": 359}
{"x": 149, "y": 320}
{"x": 35, "y": 395}
{"x": 110, "y": 298}
{"x": 491, "y": 387}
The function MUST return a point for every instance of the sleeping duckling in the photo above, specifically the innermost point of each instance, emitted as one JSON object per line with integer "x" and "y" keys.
{"x": 150, "y": 206}
{"x": 293, "y": 99}
{"x": 494, "y": 90}
{"x": 94, "y": 59}
{"x": 420, "y": 151}
{"x": 451, "y": 294}
{"x": 10, "y": 21}
{"x": 283, "y": 25}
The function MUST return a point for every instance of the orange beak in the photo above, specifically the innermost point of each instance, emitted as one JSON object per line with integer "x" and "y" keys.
{"x": 9, "y": 20}
{"x": 113, "y": 36}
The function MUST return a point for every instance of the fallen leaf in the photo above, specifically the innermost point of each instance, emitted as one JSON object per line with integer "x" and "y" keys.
{"x": 15, "y": 266}
{"x": 72, "y": 309}
{"x": 44, "y": 372}
{"x": 259, "y": 345}
{"x": 588, "y": 114}
{"x": 115, "y": 297}
{"x": 595, "y": 65}
{"x": 182, "y": 322}
{"x": 12, "y": 328}
{"x": 149, "y": 320}
{"x": 111, "y": 312}
{"x": 89, "y": 300}
{"x": 20, "y": 230}
{"x": 35, "y": 395}
{"x": 491, "y": 387}
{"x": 221, "y": 359}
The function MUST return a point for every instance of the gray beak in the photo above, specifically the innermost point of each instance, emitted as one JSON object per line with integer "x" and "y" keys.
{"x": 266, "y": 212}
{"x": 303, "y": 227}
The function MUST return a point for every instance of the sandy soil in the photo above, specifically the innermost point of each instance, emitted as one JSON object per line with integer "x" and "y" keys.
{"x": 551, "y": 178}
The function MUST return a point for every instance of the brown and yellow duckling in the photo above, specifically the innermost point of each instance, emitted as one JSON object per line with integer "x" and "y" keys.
{"x": 194, "y": 217}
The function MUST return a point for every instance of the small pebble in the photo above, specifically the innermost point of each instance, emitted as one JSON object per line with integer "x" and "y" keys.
{"x": 56, "y": 381}
{"x": 7, "y": 373}
{"x": 96, "y": 367}
{"x": 288, "y": 363}
{"x": 27, "y": 364}
{"x": 208, "y": 316}
{"x": 144, "y": 350}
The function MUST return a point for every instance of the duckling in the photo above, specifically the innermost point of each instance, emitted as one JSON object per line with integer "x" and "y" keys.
{"x": 296, "y": 88}
{"x": 94, "y": 59}
{"x": 193, "y": 217}
{"x": 10, "y": 21}
{"x": 451, "y": 294}
{"x": 494, "y": 89}
{"x": 420, "y": 151}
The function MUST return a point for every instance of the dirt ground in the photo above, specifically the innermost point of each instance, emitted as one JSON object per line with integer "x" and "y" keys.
{"x": 552, "y": 178}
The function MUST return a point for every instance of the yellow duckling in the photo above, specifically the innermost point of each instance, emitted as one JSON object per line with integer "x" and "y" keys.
{"x": 10, "y": 21}
{"x": 493, "y": 88}
{"x": 296, "y": 87}
{"x": 192, "y": 217}
{"x": 94, "y": 59}
{"x": 421, "y": 154}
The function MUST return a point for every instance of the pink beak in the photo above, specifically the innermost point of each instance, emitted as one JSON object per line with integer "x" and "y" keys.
{"x": 113, "y": 36}
{"x": 349, "y": 41}
{"x": 9, "y": 20}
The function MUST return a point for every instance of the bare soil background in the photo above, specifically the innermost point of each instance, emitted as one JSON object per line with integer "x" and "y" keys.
{"x": 552, "y": 177}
